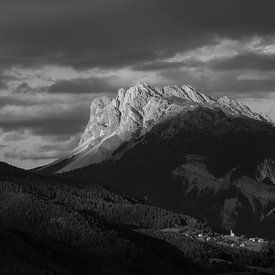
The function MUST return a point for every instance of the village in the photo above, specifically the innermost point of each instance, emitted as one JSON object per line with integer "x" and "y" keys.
{"x": 230, "y": 240}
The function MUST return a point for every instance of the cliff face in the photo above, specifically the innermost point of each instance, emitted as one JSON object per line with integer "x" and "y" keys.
{"x": 136, "y": 110}
{"x": 133, "y": 113}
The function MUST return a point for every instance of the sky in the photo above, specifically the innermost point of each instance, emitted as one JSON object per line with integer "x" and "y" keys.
{"x": 57, "y": 55}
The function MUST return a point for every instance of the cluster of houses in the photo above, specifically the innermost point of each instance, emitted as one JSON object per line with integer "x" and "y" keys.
{"x": 230, "y": 240}
{"x": 258, "y": 240}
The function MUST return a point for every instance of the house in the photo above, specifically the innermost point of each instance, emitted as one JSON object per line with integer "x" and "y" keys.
{"x": 232, "y": 233}
{"x": 242, "y": 245}
{"x": 260, "y": 240}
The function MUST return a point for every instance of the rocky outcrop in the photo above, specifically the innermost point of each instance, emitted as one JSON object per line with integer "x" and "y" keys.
{"x": 266, "y": 171}
{"x": 104, "y": 119}
{"x": 239, "y": 109}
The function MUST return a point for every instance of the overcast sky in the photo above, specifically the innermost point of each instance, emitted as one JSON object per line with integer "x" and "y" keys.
{"x": 57, "y": 55}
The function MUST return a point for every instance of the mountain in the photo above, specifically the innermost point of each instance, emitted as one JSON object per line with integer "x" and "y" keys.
{"x": 183, "y": 151}
{"x": 132, "y": 114}
{"x": 203, "y": 163}
{"x": 155, "y": 170}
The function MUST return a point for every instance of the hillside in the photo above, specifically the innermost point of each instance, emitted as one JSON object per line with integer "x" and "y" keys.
{"x": 202, "y": 163}
{"x": 49, "y": 226}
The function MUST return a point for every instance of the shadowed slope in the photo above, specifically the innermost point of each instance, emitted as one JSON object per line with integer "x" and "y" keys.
{"x": 202, "y": 163}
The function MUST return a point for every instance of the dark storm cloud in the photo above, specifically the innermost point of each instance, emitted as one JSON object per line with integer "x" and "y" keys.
{"x": 230, "y": 86}
{"x": 244, "y": 61}
{"x": 249, "y": 61}
{"x": 82, "y": 86}
{"x": 65, "y": 123}
{"x": 3, "y": 79}
{"x": 223, "y": 83}
{"x": 24, "y": 88}
{"x": 251, "y": 87}
{"x": 158, "y": 65}
{"x": 108, "y": 33}
{"x": 48, "y": 126}
{"x": 3, "y": 84}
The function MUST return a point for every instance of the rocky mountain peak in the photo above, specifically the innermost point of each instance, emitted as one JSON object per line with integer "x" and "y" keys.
{"x": 133, "y": 113}
{"x": 235, "y": 105}
{"x": 138, "y": 108}
{"x": 196, "y": 96}
{"x": 239, "y": 109}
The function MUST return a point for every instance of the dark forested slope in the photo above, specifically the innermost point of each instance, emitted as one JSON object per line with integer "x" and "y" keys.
{"x": 49, "y": 226}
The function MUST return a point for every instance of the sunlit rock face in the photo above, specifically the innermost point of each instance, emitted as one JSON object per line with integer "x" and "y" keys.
{"x": 104, "y": 119}
{"x": 133, "y": 112}
{"x": 136, "y": 110}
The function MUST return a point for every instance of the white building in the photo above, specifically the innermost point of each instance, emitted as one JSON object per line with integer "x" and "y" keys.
{"x": 260, "y": 240}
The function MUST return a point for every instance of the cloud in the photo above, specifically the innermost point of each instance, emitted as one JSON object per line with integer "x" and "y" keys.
{"x": 44, "y": 75}
{"x": 116, "y": 34}
{"x": 2, "y": 84}
{"x": 248, "y": 61}
{"x": 256, "y": 75}
{"x": 58, "y": 79}
{"x": 14, "y": 136}
{"x": 80, "y": 85}
{"x": 46, "y": 152}
{"x": 157, "y": 65}
{"x": 220, "y": 83}
{"x": 55, "y": 125}
{"x": 25, "y": 149}
{"x": 45, "y": 120}
{"x": 34, "y": 156}
{"x": 56, "y": 56}
{"x": 11, "y": 100}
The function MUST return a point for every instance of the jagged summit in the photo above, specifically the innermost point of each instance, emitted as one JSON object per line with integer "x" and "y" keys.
{"x": 141, "y": 106}
{"x": 134, "y": 111}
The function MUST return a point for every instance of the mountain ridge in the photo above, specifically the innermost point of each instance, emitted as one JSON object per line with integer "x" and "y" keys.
{"x": 133, "y": 112}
